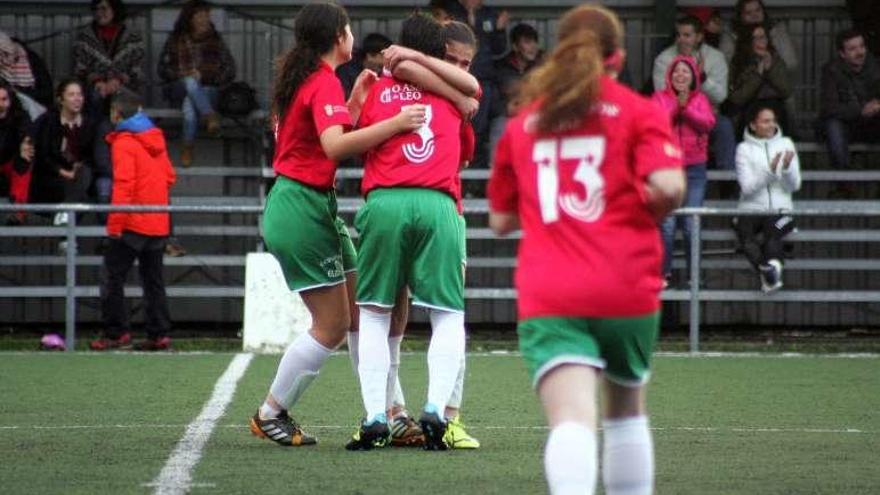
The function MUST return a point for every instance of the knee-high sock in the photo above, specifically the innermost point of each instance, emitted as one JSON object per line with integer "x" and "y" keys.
{"x": 628, "y": 457}
{"x": 444, "y": 356}
{"x": 570, "y": 459}
{"x": 298, "y": 367}
{"x": 458, "y": 390}
{"x": 393, "y": 392}
{"x": 374, "y": 360}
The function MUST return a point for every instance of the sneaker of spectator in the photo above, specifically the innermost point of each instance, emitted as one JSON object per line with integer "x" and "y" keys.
{"x": 174, "y": 248}
{"x": 52, "y": 342}
{"x": 153, "y": 344}
{"x": 107, "y": 343}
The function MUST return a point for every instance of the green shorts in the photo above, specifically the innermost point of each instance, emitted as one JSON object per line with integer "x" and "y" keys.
{"x": 462, "y": 233}
{"x": 302, "y": 231}
{"x": 410, "y": 236}
{"x": 621, "y": 346}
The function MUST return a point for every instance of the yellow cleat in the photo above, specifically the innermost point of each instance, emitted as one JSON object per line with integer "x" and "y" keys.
{"x": 457, "y": 437}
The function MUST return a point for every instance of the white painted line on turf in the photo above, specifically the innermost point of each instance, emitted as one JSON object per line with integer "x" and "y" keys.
{"x": 176, "y": 476}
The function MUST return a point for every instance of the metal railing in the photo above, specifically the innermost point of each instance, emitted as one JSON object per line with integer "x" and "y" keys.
{"x": 694, "y": 295}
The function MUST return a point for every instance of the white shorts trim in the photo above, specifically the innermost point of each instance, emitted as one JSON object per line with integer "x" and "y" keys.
{"x": 438, "y": 308}
{"x": 566, "y": 359}
{"x": 625, "y": 382}
{"x": 368, "y": 303}
{"x": 318, "y": 286}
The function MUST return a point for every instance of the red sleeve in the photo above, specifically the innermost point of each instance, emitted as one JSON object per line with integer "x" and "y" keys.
{"x": 502, "y": 189}
{"x": 654, "y": 147}
{"x": 328, "y": 105}
{"x": 123, "y": 186}
{"x": 468, "y": 142}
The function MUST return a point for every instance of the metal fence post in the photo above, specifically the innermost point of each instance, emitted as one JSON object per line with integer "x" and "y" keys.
{"x": 695, "y": 284}
{"x": 70, "y": 297}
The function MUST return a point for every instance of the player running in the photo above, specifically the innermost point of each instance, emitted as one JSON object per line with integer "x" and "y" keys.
{"x": 301, "y": 227}
{"x": 588, "y": 167}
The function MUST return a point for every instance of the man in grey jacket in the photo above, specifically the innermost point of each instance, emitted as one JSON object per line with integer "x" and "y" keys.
{"x": 713, "y": 81}
{"x": 850, "y": 97}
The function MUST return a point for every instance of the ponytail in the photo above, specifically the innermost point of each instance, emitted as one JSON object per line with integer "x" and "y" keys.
{"x": 291, "y": 70}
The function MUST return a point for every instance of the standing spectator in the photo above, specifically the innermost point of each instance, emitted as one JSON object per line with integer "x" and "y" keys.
{"x": 64, "y": 139}
{"x": 368, "y": 57}
{"x": 752, "y": 13}
{"x": 768, "y": 172}
{"x": 757, "y": 74}
{"x": 195, "y": 63}
{"x": 16, "y": 150}
{"x": 692, "y": 119}
{"x": 490, "y": 27}
{"x": 26, "y": 72}
{"x": 524, "y": 55}
{"x": 850, "y": 105}
{"x": 143, "y": 175}
{"x": 713, "y": 72}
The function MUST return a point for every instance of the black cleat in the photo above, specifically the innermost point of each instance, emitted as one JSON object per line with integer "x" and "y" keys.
{"x": 434, "y": 429}
{"x": 368, "y": 437}
{"x": 282, "y": 430}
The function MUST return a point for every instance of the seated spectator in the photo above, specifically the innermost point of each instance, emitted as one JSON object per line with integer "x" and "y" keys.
{"x": 768, "y": 172}
{"x": 143, "y": 176}
{"x": 757, "y": 74}
{"x": 752, "y": 13}
{"x": 27, "y": 74}
{"x": 16, "y": 150}
{"x": 195, "y": 63}
{"x": 692, "y": 119}
{"x": 713, "y": 72}
{"x": 524, "y": 55}
{"x": 713, "y": 25}
{"x": 64, "y": 140}
{"x": 368, "y": 57}
{"x": 850, "y": 97}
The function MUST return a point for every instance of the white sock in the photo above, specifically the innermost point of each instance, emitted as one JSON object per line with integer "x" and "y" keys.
{"x": 352, "y": 339}
{"x": 628, "y": 457}
{"x": 268, "y": 411}
{"x": 444, "y": 356}
{"x": 393, "y": 392}
{"x": 570, "y": 459}
{"x": 298, "y": 367}
{"x": 458, "y": 390}
{"x": 374, "y": 360}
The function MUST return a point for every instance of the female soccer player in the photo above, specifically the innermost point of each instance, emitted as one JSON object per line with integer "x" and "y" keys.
{"x": 301, "y": 228}
{"x": 587, "y": 168}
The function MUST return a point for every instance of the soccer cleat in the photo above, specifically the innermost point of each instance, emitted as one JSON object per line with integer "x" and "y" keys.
{"x": 282, "y": 430}
{"x": 106, "y": 344}
{"x": 376, "y": 435}
{"x": 405, "y": 432}
{"x": 771, "y": 276}
{"x": 457, "y": 437}
{"x": 434, "y": 429}
{"x": 154, "y": 344}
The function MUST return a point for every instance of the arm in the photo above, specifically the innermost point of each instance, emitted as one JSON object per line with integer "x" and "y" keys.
{"x": 82, "y": 60}
{"x": 123, "y": 187}
{"x": 498, "y": 37}
{"x": 503, "y": 223}
{"x": 458, "y": 78}
{"x": 169, "y": 67}
{"x": 784, "y": 46}
{"x": 715, "y": 85}
{"x": 228, "y": 69}
{"x": 790, "y": 176}
{"x": 128, "y": 62}
{"x": 698, "y": 114}
{"x": 339, "y": 145}
{"x": 425, "y": 78}
{"x": 664, "y": 191}
{"x": 661, "y": 63}
{"x": 778, "y": 77}
{"x": 750, "y": 176}
{"x": 502, "y": 190}
{"x": 746, "y": 87}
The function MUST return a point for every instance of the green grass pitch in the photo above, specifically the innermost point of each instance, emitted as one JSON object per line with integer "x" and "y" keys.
{"x": 89, "y": 423}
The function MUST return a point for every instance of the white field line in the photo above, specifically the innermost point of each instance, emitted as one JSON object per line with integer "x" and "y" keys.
{"x": 709, "y": 429}
{"x": 176, "y": 476}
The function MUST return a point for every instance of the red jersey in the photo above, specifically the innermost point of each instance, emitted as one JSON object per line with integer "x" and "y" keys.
{"x": 317, "y": 105}
{"x": 428, "y": 157}
{"x": 468, "y": 147}
{"x": 590, "y": 246}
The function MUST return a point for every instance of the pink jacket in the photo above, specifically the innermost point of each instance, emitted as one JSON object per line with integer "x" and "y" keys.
{"x": 694, "y": 121}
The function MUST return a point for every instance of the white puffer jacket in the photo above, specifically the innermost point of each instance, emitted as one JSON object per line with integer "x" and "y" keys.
{"x": 761, "y": 189}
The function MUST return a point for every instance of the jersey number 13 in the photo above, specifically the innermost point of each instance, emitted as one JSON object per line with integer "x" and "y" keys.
{"x": 589, "y": 152}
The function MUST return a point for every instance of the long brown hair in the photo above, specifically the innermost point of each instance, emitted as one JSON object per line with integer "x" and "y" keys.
{"x": 316, "y": 29}
{"x": 567, "y": 84}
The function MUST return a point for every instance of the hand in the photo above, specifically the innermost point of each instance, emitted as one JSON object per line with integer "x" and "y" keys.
{"x": 786, "y": 160}
{"x": 67, "y": 174}
{"x": 683, "y": 98}
{"x": 396, "y": 54}
{"x": 410, "y": 118}
{"x": 468, "y": 107}
{"x": 774, "y": 164}
{"x": 503, "y": 20}
{"x": 26, "y": 150}
{"x": 362, "y": 85}
{"x": 871, "y": 108}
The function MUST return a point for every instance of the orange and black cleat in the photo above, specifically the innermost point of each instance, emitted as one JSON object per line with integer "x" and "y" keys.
{"x": 282, "y": 430}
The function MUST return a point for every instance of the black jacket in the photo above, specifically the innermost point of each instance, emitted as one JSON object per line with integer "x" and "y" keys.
{"x": 47, "y": 186}
{"x": 492, "y": 42}
{"x": 844, "y": 92}
{"x": 13, "y": 130}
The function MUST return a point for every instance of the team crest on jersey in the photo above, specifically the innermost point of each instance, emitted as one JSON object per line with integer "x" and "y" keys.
{"x": 331, "y": 109}
{"x": 419, "y": 153}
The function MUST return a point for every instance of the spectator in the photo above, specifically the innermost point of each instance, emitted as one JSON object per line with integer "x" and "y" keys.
{"x": 751, "y": 13}
{"x": 524, "y": 55}
{"x": 850, "y": 90}
{"x": 490, "y": 27}
{"x": 440, "y": 10}
{"x": 757, "y": 74}
{"x": 768, "y": 172}
{"x": 143, "y": 175}
{"x": 16, "y": 150}
{"x": 713, "y": 82}
{"x": 692, "y": 119}
{"x": 64, "y": 140}
{"x": 195, "y": 63}
{"x": 712, "y": 23}
{"x": 368, "y": 57}
{"x": 26, "y": 72}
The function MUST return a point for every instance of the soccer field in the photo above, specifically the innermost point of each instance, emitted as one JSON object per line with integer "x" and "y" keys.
{"x": 118, "y": 423}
